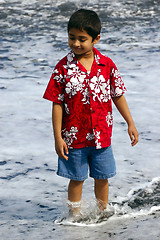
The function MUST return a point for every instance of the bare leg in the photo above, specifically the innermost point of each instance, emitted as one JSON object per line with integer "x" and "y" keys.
{"x": 74, "y": 195}
{"x": 101, "y": 188}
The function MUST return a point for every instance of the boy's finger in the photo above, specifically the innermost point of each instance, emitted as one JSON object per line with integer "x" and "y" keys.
{"x": 65, "y": 157}
{"x": 135, "y": 139}
{"x": 131, "y": 136}
{"x": 64, "y": 152}
{"x": 66, "y": 149}
{"x": 62, "y": 155}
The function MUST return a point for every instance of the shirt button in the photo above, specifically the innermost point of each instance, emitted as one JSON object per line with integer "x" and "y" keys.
{"x": 95, "y": 128}
{"x": 93, "y": 111}
{"x": 91, "y": 94}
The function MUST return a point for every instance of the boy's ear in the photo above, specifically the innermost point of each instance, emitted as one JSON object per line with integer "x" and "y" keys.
{"x": 96, "y": 40}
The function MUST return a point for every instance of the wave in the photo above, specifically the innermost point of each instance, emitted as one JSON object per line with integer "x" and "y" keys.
{"x": 141, "y": 201}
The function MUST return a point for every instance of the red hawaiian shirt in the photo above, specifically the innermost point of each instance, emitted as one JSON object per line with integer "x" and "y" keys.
{"x": 87, "y": 117}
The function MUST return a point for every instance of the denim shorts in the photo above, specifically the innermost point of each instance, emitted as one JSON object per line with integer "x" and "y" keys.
{"x": 99, "y": 162}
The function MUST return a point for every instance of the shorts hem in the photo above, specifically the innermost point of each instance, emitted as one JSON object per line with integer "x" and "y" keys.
{"x": 104, "y": 176}
{"x": 72, "y": 177}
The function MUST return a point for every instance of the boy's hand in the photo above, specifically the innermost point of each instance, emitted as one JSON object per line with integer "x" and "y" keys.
{"x": 133, "y": 133}
{"x": 61, "y": 148}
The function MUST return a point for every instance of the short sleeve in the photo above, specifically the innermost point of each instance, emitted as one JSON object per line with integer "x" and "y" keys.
{"x": 117, "y": 85}
{"x": 55, "y": 89}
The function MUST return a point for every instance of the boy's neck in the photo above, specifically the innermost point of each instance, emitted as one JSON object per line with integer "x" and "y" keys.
{"x": 86, "y": 56}
{"x": 86, "y": 60}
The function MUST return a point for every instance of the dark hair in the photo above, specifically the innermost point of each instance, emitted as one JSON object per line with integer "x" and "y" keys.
{"x": 86, "y": 20}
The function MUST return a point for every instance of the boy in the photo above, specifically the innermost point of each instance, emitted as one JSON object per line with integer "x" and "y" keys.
{"x": 81, "y": 88}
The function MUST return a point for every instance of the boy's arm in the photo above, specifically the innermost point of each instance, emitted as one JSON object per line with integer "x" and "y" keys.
{"x": 60, "y": 145}
{"x": 122, "y": 107}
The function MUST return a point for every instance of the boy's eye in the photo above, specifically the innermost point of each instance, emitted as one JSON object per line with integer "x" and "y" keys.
{"x": 71, "y": 38}
{"x": 82, "y": 40}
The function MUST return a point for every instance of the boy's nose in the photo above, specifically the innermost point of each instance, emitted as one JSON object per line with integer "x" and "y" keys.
{"x": 76, "y": 43}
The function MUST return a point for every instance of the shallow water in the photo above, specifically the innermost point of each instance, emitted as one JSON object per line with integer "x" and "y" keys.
{"x": 33, "y": 38}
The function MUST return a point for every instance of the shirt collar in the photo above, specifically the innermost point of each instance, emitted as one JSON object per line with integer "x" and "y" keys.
{"x": 100, "y": 59}
{"x": 72, "y": 61}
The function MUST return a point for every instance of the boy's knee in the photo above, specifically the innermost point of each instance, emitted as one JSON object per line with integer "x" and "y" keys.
{"x": 101, "y": 181}
{"x": 76, "y": 183}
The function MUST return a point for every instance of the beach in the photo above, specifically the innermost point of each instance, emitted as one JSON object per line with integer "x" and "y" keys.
{"x": 32, "y": 197}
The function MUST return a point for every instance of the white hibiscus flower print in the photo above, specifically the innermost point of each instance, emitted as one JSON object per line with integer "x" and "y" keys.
{"x": 61, "y": 97}
{"x": 76, "y": 74}
{"x": 118, "y": 91}
{"x": 59, "y": 78}
{"x": 97, "y": 137}
{"x": 66, "y": 108}
{"x": 98, "y": 84}
{"x": 90, "y": 136}
{"x": 98, "y": 146}
{"x": 76, "y": 83}
{"x": 109, "y": 119}
{"x": 105, "y": 96}
{"x": 55, "y": 71}
{"x": 70, "y": 57}
{"x": 86, "y": 99}
{"x": 100, "y": 88}
{"x": 70, "y": 136}
{"x": 73, "y": 87}
{"x": 118, "y": 82}
{"x": 115, "y": 73}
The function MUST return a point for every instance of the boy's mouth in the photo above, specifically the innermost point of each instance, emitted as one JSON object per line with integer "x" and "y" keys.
{"x": 77, "y": 49}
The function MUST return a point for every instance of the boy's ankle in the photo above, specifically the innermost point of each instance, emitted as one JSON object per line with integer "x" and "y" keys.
{"x": 102, "y": 205}
{"x": 74, "y": 208}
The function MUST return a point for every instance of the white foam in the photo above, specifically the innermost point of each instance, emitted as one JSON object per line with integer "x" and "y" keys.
{"x": 91, "y": 215}
{"x": 68, "y": 222}
{"x": 148, "y": 187}
{"x": 136, "y": 214}
{"x": 120, "y": 213}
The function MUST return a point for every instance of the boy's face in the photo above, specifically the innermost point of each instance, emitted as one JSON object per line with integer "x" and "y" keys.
{"x": 81, "y": 42}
